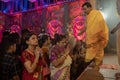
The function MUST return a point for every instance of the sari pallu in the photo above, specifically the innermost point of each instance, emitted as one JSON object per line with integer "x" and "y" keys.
{"x": 62, "y": 72}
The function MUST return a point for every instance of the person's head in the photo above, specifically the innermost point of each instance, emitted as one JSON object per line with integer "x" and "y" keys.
{"x": 60, "y": 40}
{"x": 87, "y": 7}
{"x": 42, "y": 30}
{"x": 16, "y": 37}
{"x": 31, "y": 40}
{"x": 24, "y": 32}
{"x": 9, "y": 44}
{"x": 44, "y": 40}
{"x": 6, "y": 33}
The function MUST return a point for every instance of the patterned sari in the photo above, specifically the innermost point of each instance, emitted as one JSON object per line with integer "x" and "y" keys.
{"x": 63, "y": 71}
{"x": 38, "y": 73}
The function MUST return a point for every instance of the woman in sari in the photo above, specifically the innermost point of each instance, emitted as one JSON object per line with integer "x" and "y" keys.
{"x": 31, "y": 59}
{"x": 60, "y": 59}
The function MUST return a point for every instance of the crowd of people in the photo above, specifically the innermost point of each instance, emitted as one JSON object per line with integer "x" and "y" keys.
{"x": 32, "y": 57}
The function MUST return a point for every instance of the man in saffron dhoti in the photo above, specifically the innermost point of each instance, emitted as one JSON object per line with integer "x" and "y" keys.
{"x": 96, "y": 35}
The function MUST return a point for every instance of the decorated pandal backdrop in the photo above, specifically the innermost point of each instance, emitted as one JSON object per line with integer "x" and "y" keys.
{"x": 62, "y": 15}
{"x": 59, "y": 18}
{"x": 55, "y": 18}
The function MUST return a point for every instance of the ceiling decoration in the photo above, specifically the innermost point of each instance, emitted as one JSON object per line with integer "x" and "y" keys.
{"x": 5, "y": 0}
{"x": 12, "y": 6}
{"x": 32, "y": 0}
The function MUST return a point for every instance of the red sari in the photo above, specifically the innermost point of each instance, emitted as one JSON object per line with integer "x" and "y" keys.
{"x": 37, "y": 75}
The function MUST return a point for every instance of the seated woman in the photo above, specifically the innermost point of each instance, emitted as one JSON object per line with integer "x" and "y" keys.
{"x": 60, "y": 59}
{"x": 31, "y": 59}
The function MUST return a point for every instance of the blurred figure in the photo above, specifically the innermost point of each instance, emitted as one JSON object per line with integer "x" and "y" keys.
{"x": 42, "y": 32}
{"x": 44, "y": 43}
{"x": 6, "y": 33}
{"x": 70, "y": 36}
{"x": 78, "y": 64}
{"x": 9, "y": 63}
{"x": 16, "y": 37}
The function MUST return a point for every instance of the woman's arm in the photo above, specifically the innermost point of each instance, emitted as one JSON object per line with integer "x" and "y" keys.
{"x": 60, "y": 60}
{"x": 30, "y": 67}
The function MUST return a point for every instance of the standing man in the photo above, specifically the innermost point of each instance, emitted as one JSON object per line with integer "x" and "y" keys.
{"x": 96, "y": 35}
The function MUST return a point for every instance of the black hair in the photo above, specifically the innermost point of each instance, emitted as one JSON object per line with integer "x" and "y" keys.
{"x": 15, "y": 36}
{"x": 27, "y": 37}
{"x": 88, "y": 4}
{"x": 6, "y": 33}
{"x": 42, "y": 40}
{"x": 25, "y": 31}
{"x": 58, "y": 38}
{"x": 7, "y": 42}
